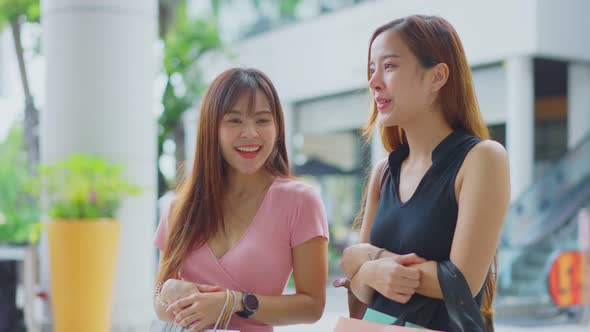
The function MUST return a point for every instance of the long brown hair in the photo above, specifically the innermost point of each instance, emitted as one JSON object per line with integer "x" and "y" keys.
{"x": 196, "y": 214}
{"x": 433, "y": 40}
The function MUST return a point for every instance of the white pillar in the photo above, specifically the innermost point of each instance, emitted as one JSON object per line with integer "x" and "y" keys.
{"x": 3, "y": 75}
{"x": 578, "y": 101}
{"x": 190, "y": 121}
{"x": 101, "y": 65}
{"x": 378, "y": 152}
{"x": 290, "y": 118}
{"x": 520, "y": 123}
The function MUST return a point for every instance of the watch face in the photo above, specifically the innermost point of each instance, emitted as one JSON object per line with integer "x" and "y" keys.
{"x": 251, "y": 302}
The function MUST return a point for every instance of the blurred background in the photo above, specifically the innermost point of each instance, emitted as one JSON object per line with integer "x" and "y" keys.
{"x": 123, "y": 80}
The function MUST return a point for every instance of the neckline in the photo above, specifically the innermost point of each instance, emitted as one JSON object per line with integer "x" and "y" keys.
{"x": 248, "y": 229}
{"x": 400, "y": 154}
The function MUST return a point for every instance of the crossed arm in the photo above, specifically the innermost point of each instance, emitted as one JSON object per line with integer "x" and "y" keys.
{"x": 483, "y": 196}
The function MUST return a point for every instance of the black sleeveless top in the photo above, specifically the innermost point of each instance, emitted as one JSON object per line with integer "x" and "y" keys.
{"x": 425, "y": 223}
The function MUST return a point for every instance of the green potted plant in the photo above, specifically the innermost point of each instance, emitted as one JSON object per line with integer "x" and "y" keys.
{"x": 83, "y": 194}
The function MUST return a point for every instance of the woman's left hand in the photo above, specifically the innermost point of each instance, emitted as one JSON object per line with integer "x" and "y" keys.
{"x": 354, "y": 257}
{"x": 198, "y": 310}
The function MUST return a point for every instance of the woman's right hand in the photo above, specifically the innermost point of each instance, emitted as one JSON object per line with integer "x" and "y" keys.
{"x": 394, "y": 277}
{"x": 174, "y": 290}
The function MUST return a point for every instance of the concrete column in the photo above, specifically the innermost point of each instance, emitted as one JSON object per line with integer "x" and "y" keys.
{"x": 100, "y": 70}
{"x": 520, "y": 123}
{"x": 3, "y": 62}
{"x": 377, "y": 150}
{"x": 290, "y": 118}
{"x": 190, "y": 121}
{"x": 578, "y": 101}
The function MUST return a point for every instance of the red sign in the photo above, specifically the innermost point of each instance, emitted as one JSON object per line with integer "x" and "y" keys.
{"x": 569, "y": 279}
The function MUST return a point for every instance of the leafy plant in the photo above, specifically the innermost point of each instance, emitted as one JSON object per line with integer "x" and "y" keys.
{"x": 83, "y": 187}
{"x": 19, "y": 218}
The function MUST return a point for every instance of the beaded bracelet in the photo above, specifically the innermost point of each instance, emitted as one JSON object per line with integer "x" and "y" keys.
{"x": 157, "y": 292}
{"x": 222, "y": 312}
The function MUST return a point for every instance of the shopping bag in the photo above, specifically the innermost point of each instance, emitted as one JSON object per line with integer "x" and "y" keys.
{"x": 161, "y": 326}
{"x": 345, "y": 324}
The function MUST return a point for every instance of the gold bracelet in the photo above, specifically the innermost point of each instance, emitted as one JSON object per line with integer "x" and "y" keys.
{"x": 220, "y": 316}
{"x": 233, "y": 308}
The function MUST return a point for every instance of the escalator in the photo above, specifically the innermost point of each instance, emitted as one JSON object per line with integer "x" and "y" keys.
{"x": 539, "y": 224}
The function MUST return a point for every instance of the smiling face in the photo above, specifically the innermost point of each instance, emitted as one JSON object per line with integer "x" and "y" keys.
{"x": 398, "y": 82}
{"x": 248, "y": 133}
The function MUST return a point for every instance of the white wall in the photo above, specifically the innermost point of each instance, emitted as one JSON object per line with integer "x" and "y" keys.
{"x": 327, "y": 55}
{"x": 562, "y": 29}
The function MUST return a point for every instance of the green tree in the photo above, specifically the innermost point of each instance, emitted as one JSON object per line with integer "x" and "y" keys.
{"x": 15, "y": 13}
{"x": 185, "y": 40}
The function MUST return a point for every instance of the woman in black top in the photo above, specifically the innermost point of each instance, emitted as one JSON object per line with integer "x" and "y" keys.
{"x": 443, "y": 192}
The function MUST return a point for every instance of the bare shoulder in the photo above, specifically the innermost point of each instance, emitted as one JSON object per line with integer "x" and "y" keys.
{"x": 486, "y": 166}
{"x": 485, "y": 156}
{"x": 381, "y": 164}
{"x": 376, "y": 175}
{"x": 378, "y": 168}
{"x": 485, "y": 183}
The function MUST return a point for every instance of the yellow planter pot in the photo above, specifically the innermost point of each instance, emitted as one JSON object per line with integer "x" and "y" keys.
{"x": 83, "y": 256}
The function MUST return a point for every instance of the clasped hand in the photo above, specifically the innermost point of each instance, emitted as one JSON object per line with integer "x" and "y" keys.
{"x": 192, "y": 305}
